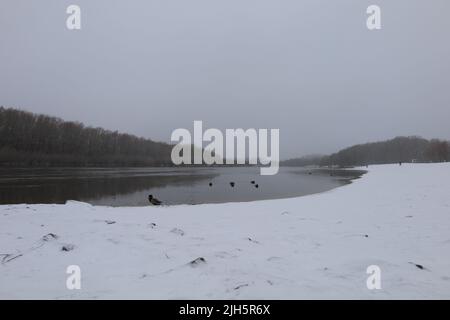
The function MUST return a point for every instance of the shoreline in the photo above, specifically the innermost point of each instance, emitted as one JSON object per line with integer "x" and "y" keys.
{"x": 314, "y": 246}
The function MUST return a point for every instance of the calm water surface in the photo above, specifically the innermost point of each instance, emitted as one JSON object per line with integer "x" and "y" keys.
{"x": 131, "y": 186}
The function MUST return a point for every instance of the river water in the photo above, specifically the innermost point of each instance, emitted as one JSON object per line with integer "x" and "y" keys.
{"x": 131, "y": 186}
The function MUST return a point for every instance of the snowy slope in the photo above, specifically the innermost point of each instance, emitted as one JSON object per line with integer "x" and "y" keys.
{"x": 316, "y": 246}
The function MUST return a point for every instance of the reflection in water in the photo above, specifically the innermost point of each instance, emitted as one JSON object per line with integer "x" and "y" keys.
{"x": 131, "y": 186}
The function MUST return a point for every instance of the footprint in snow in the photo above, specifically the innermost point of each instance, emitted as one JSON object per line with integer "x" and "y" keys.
{"x": 241, "y": 286}
{"x": 197, "y": 262}
{"x": 251, "y": 240}
{"x": 46, "y": 238}
{"x": 419, "y": 266}
{"x": 49, "y": 237}
{"x": 7, "y": 257}
{"x": 177, "y": 231}
{"x": 67, "y": 247}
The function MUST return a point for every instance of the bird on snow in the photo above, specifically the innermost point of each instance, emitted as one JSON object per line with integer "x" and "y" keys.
{"x": 153, "y": 200}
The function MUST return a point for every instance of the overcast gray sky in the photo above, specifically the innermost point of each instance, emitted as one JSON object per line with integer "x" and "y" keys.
{"x": 310, "y": 68}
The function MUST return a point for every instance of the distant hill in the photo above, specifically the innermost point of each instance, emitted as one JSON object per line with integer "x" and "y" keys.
{"x": 399, "y": 149}
{"x": 28, "y": 139}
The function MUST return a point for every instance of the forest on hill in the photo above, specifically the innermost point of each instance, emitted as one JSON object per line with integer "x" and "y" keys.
{"x": 399, "y": 149}
{"x": 28, "y": 139}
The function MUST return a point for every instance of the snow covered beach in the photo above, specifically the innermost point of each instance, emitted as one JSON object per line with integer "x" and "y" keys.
{"x": 317, "y": 246}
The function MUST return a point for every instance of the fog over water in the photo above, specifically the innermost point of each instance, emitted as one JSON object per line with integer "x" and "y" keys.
{"x": 310, "y": 68}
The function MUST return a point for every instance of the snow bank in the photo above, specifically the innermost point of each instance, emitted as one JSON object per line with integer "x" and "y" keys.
{"x": 317, "y": 246}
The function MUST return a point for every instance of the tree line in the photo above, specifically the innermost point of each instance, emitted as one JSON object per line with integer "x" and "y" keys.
{"x": 399, "y": 149}
{"x": 28, "y": 139}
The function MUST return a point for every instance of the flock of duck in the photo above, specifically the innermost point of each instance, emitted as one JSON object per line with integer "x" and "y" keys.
{"x": 156, "y": 202}
{"x": 232, "y": 184}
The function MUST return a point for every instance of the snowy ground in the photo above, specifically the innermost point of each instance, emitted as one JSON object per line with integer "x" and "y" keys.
{"x": 316, "y": 246}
